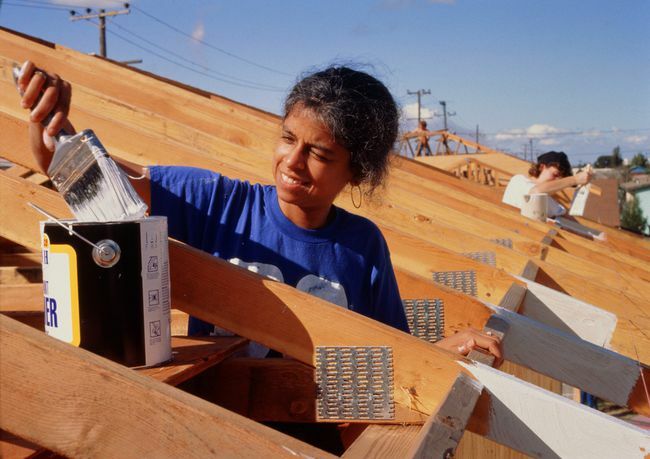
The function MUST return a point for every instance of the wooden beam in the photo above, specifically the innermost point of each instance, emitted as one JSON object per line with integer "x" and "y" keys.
{"x": 568, "y": 314}
{"x": 116, "y": 412}
{"x": 193, "y": 355}
{"x": 383, "y": 442}
{"x": 546, "y": 425}
{"x": 530, "y": 270}
{"x": 574, "y": 361}
{"x": 22, "y": 260}
{"x": 21, "y": 297}
{"x": 20, "y": 275}
{"x": 442, "y": 432}
{"x": 277, "y": 390}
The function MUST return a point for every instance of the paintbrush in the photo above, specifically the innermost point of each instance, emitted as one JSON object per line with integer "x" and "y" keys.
{"x": 91, "y": 183}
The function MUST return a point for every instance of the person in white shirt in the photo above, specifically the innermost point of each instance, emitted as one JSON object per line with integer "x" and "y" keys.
{"x": 551, "y": 173}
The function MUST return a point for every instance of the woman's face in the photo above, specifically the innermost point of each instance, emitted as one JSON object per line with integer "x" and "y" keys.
{"x": 309, "y": 167}
{"x": 549, "y": 173}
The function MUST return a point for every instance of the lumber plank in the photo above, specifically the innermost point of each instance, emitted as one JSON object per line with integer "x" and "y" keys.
{"x": 549, "y": 425}
{"x": 193, "y": 355}
{"x": 21, "y": 297}
{"x": 442, "y": 432}
{"x": 13, "y": 447}
{"x": 265, "y": 390}
{"x": 382, "y": 442}
{"x": 573, "y": 361}
{"x": 21, "y": 260}
{"x": 20, "y": 275}
{"x": 116, "y": 412}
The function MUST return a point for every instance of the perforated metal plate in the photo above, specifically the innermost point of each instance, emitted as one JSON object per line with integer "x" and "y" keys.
{"x": 426, "y": 318}
{"x": 354, "y": 382}
{"x": 464, "y": 281}
{"x": 488, "y": 257}
{"x": 503, "y": 242}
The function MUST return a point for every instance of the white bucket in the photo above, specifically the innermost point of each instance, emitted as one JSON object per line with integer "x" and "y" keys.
{"x": 535, "y": 206}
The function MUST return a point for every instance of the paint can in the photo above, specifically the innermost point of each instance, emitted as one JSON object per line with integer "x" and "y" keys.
{"x": 106, "y": 288}
{"x": 535, "y": 206}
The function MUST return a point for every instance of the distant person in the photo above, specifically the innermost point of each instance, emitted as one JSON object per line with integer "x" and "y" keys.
{"x": 551, "y": 173}
{"x": 423, "y": 139}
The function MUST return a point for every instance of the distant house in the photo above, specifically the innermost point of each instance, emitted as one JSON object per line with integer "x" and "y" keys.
{"x": 639, "y": 187}
{"x": 639, "y": 170}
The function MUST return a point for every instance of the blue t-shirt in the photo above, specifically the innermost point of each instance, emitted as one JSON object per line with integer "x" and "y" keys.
{"x": 346, "y": 262}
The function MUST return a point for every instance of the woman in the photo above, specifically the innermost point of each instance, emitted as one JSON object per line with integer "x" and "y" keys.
{"x": 338, "y": 128}
{"x": 551, "y": 173}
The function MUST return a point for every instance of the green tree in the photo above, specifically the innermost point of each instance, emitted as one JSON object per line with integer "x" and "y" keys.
{"x": 632, "y": 216}
{"x": 639, "y": 160}
{"x": 603, "y": 162}
{"x": 616, "y": 157}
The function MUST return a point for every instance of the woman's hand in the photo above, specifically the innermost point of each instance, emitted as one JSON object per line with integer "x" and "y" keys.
{"x": 583, "y": 177}
{"x": 45, "y": 94}
{"x": 466, "y": 340}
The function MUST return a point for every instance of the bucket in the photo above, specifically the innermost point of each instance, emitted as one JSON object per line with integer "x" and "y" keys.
{"x": 535, "y": 206}
{"x": 109, "y": 293}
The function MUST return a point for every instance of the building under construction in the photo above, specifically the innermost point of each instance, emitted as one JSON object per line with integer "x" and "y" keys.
{"x": 573, "y": 312}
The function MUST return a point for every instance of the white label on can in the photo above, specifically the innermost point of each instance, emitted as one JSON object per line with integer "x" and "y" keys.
{"x": 61, "y": 292}
{"x": 155, "y": 290}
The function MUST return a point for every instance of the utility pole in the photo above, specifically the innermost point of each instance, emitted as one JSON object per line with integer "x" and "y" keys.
{"x": 477, "y": 133}
{"x": 530, "y": 142}
{"x": 445, "y": 113}
{"x": 419, "y": 93}
{"x": 102, "y": 22}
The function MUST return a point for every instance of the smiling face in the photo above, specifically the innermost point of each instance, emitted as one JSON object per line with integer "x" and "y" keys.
{"x": 309, "y": 167}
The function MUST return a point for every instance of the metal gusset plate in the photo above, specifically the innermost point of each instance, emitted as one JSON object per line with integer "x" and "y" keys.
{"x": 426, "y": 318}
{"x": 489, "y": 258}
{"x": 464, "y": 281}
{"x": 354, "y": 382}
{"x": 504, "y": 242}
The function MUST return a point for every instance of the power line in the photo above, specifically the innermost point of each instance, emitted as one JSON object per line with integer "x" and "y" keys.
{"x": 222, "y": 80}
{"x": 216, "y": 48}
{"x": 101, "y": 15}
{"x": 207, "y": 69}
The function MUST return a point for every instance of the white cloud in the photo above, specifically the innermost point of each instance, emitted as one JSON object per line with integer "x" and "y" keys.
{"x": 541, "y": 130}
{"x": 199, "y": 31}
{"x": 637, "y": 139}
{"x": 411, "y": 111}
{"x": 549, "y": 142}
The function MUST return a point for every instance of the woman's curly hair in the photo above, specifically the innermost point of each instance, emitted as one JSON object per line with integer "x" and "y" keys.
{"x": 360, "y": 113}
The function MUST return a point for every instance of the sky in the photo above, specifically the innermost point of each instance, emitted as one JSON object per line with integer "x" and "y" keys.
{"x": 572, "y": 75}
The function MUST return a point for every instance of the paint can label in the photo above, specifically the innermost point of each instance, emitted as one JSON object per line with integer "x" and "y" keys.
{"x": 60, "y": 292}
{"x": 155, "y": 290}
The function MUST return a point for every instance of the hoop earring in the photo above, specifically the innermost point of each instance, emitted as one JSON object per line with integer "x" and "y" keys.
{"x": 356, "y": 206}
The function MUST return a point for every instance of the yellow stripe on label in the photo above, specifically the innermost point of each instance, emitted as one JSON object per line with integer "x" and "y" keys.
{"x": 74, "y": 288}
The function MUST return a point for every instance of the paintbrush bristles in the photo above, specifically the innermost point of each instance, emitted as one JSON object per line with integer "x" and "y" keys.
{"x": 93, "y": 186}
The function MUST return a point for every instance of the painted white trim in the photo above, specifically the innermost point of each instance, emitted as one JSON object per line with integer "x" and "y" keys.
{"x": 546, "y": 425}
{"x": 568, "y": 314}
{"x": 567, "y": 358}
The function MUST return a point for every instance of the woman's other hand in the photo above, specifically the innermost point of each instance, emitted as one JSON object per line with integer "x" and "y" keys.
{"x": 469, "y": 339}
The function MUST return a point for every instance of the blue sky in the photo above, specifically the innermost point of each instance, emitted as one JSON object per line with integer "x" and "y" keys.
{"x": 573, "y": 75}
